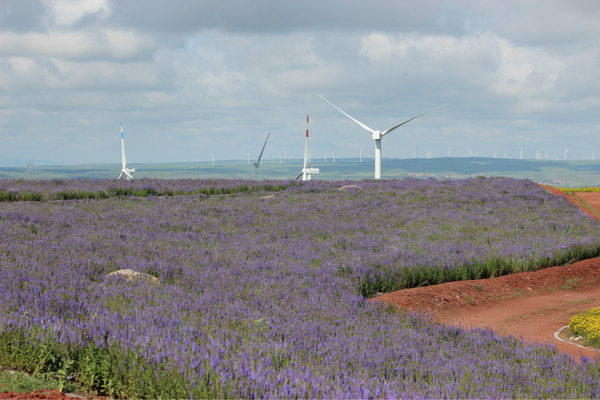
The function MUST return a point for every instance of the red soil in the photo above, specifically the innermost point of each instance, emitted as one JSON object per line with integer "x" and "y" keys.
{"x": 48, "y": 395}
{"x": 531, "y": 305}
{"x": 38, "y": 394}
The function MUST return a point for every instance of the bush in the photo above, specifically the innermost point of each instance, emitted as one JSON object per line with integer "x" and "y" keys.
{"x": 587, "y": 325}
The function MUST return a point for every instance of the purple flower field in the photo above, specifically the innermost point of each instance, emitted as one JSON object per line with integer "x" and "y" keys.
{"x": 262, "y": 289}
{"x": 80, "y": 189}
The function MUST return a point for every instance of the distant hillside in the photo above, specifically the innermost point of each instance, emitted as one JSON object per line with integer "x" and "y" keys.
{"x": 557, "y": 173}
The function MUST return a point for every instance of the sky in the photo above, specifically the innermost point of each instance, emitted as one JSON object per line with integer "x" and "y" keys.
{"x": 193, "y": 79}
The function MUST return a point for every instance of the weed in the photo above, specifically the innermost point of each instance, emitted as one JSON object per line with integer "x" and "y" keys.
{"x": 571, "y": 283}
{"x": 21, "y": 382}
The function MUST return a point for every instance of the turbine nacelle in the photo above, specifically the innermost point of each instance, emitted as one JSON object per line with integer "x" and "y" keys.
{"x": 376, "y": 135}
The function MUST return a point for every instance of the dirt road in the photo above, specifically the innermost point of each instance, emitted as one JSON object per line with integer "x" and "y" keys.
{"x": 532, "y": 305}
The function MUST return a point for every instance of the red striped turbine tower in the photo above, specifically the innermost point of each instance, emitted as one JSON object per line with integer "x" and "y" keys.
{"x": 306, "y": 171}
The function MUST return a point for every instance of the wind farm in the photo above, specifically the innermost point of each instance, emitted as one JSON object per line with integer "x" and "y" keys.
{"x": 560, "y": 171}
{"x": 563, "y": 170}
{"x": 563, "y": 173}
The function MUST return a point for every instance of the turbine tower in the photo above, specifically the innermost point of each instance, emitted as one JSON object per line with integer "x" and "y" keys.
{"x": 259, "y": 160}
{"x": 377, "y": 135}
{"x": 124, "y": 170}
{"x": 306, "y": 173}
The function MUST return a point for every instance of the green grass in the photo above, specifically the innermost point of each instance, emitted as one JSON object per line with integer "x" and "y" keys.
{"x": 574, "y": 190}
{"x": 559, "y": 173}
{"x": 571, "y": 283}
{"x": 21, "y": 382}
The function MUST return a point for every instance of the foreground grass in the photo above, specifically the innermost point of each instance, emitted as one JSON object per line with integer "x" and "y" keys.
{"x": 22, "y": 382}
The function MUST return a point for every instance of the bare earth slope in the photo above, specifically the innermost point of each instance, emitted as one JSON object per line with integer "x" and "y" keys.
{"x": 531, "y": 305}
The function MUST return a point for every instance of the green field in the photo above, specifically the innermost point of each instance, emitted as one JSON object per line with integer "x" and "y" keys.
{"x": 557, "y": 173}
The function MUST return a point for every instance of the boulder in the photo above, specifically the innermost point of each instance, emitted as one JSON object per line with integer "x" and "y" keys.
{"x": 130, "y": 275}
{"x": 348, "y": 187}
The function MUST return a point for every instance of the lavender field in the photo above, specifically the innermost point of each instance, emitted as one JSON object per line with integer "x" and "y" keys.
{"x": 262, "y": 286}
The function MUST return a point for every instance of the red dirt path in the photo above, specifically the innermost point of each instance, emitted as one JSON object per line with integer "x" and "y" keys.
{"x": 531, "y": 305}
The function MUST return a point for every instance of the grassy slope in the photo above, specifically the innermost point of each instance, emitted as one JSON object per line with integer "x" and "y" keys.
{"x": 557, "y": 173}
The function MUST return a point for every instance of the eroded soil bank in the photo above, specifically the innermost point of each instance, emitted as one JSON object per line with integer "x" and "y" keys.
{"x": 531, "y": 305}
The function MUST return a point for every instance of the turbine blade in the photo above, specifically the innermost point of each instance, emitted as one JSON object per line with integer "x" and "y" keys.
{"x": 299, "y": 176}
{"x": 408, "y": 120}
{"x": 352, "y": 118}
{"x": 120, "y": 175}
{"x": 263, "y": 149}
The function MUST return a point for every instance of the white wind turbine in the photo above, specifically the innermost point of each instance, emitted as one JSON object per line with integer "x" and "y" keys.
{"x": 124, "y": 170}
{"x": 307, "y": 172}
{"x": 259, "y": 160}
{"x": 377, "y": 135}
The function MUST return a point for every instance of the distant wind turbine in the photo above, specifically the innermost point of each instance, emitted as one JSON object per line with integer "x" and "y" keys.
{"x": 259, "y": 160}
{"x": 124, "y": 170}
{"x": 306, "y": 172}
{"x": 377, "y": 135}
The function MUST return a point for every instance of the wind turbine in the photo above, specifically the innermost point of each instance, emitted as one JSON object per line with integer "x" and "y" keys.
{"x": 124, "y": 170}
{"x": 377, "y": 135}
{"x": 257, "y": 163}
{"x": 306, "y": 172}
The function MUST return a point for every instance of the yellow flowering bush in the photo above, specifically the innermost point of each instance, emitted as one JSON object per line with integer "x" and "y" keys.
{"x": 581, "y": 189}
{"x": 587, "y": 325}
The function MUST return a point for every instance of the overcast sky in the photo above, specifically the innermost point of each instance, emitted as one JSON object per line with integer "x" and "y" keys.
{"x": 191, "y": 79}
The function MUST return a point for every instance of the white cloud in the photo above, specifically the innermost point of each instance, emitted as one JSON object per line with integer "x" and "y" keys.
{"x": 526, "y": 72}
{"x": 116, "y": 45}
{"x": 68, "y": 12}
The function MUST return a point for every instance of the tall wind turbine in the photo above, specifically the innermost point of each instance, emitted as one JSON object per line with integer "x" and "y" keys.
{"x": 306, "y": 172}
{"x": 259, "y": 160}
{"x": 377, "y": 135}
{"x": 124, "y": 170}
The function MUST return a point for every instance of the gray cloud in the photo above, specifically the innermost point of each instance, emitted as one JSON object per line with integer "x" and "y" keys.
{"x": 190, "y": 79}
{"x": 22, "y": 16}
{"x": 278, "y": 16}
